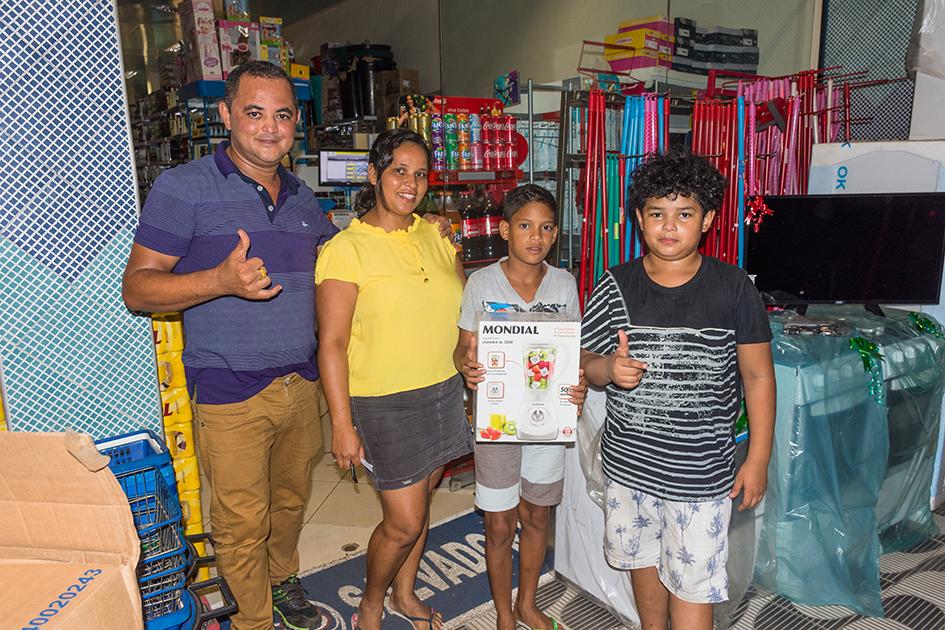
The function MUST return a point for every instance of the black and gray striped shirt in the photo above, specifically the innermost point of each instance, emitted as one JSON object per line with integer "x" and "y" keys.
{"x": 673, "y": 435}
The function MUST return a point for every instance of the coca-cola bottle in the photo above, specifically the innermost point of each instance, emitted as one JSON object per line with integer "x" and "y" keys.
{"x": 470, "y": 213}
{"x": 493, "y": 245}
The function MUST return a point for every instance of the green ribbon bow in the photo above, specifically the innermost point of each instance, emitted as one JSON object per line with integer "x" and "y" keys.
{"x": 926, "y": 325}
{"x": 869, "y": 354}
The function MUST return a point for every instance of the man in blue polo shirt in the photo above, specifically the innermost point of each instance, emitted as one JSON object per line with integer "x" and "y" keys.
{"x": 232, "y": 239}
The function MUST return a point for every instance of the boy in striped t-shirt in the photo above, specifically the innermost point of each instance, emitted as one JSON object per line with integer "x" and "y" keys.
{"x": 676, "y": 338}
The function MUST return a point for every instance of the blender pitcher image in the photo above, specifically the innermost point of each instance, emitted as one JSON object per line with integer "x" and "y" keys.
{"x": 539, "y": 420}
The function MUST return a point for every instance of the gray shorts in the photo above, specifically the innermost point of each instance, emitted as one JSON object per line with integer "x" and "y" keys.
{"x": 505, "y": 472}
{"x": 410, "y": 434}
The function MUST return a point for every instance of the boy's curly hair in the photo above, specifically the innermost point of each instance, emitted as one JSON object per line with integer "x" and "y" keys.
{"x": 678, "y": 173}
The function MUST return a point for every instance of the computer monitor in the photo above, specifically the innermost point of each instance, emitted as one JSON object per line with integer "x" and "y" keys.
{"x": 346, "y": 167}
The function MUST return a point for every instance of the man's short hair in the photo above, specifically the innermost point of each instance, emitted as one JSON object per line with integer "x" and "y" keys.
{"x": 262, "y": 69}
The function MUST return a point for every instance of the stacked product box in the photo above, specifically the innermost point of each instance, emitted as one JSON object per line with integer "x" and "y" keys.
{"x": 651, "y": 39}
{"x": 239, "y": 43}
{"x": 178, "y": 418}
{"x": 201, "y": 50}
{"x": 271, "y": 44}
{"x": 700, "y": 49}
{"x": 531, "y": 361}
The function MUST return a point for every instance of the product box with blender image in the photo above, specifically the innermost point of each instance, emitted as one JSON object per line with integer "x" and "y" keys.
{"x": 531, "y": 361}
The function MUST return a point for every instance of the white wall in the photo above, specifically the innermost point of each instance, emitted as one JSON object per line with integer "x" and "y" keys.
{"x": 542, "y": 40}
{"x": 410, "y": 28}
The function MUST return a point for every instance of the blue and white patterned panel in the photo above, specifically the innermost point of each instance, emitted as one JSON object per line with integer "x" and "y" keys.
{"x": 72, "y": 354}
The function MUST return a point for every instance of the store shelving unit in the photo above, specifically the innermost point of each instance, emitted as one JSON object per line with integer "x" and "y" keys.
{"x": 178, "y": 124}
{"x": 494, "y": 182}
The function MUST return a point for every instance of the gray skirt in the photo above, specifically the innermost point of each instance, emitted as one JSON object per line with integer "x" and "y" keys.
{"x": 408, "y": 435}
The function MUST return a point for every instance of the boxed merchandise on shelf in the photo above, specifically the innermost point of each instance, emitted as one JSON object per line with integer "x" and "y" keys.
{"x": 641, "y": 59}
{"x": 270, "y": 30}
{"x": 201, "y": 46}
{"x": 69, "y": 544}
{"x": 271, "y": 52}
{"x": 187, "y": 473}
{"x": 191, "y": 508}
{"x": 401, "y": 81}
{"x": 700, "y": 49}
{"x": 170, "y": 371}
{"x": 239, "y": 43}
{"x": 237, "y": 10}
{"x": 176, "y": 406}
{"x": 659, "y": 23}
{"x": 641, "y": 39}
{"x": 684, "y": 29}
{"x": 180, "y": 439}
{"x": 648, "y": 42}
{"x": 168, "y": 331}
{"x": 299, "y": 71}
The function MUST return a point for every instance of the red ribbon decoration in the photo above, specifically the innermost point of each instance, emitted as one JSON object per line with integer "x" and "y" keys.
{"x": 757, "y": 211}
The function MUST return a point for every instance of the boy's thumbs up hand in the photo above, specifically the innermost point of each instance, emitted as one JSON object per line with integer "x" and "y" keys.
{"x": 623, "y": 345}
{"x": 625, "y": 372}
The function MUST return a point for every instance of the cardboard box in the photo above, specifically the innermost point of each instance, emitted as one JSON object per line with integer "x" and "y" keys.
{"x": 363, "y": 141}
{"x": 239, "y": 43}
{"x": 201, "y": 47}
{"x": 659, "y": 23}
{"x": 684, "y": 28}
{"x": 401, "y": 81}
{"x": 641, "y": 59}
{"x": 531, "y": 360}
{"x": 68, "y": 545}
{"x": 641, "y": 39}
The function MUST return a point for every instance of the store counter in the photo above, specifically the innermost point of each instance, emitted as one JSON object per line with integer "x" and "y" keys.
{"x": 849, "y": 474}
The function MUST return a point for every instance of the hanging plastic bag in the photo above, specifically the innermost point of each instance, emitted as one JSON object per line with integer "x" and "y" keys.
{"x": 927, "y": 48}
{"x": 589, "y": 432}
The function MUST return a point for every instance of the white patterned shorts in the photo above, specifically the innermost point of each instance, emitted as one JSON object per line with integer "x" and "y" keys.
{"x": 687, "y": 542}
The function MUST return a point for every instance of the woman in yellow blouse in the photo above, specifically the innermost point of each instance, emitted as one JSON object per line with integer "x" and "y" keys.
{"x": 388, "y": 300}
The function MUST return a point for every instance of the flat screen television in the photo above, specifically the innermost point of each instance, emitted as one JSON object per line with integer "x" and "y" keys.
{"x": 342, "y": 168}
{"x": 854, "y": 249}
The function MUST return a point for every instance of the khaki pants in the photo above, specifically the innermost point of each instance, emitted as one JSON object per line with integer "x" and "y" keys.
{"x": 257, "y": 455}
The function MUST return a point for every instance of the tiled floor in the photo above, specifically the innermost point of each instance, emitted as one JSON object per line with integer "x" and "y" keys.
{"x": 341, "y": 515}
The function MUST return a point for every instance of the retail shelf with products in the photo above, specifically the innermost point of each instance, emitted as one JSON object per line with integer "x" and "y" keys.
{"x": 216, "y": 89}
{"x": 177, "y": 124}
{"x": 472, "y": 178}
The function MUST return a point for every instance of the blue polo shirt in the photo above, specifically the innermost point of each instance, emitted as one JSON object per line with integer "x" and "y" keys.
{"x": 236, "y": 347}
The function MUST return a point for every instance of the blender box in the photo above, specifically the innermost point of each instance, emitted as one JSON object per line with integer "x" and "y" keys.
{"x": 531, "y": 360}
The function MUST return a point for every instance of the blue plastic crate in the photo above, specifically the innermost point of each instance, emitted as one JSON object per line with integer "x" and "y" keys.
{"x": 165, "y": 563}
{"x": 165, "y": 599}
{"x": 183, "y": 617}
{"x": 133, "y": 451}
{"x": 153, "y": 504}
